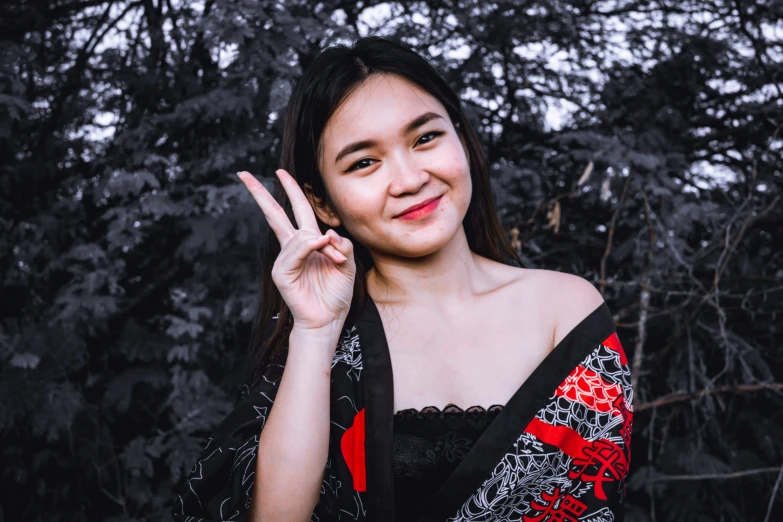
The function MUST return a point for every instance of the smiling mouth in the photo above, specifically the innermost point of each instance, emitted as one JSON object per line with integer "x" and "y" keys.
{"x": 417, "y": 207}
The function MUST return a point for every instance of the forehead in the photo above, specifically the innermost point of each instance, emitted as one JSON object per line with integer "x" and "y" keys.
{"x": 379, "y": 107}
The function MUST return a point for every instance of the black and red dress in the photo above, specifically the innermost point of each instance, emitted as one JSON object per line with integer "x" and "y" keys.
{"x": 559, "y": 450}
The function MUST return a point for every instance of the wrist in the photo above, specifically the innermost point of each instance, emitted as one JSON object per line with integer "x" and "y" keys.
{"x": 328, "y": 331}
{"x": 316, "y": 345}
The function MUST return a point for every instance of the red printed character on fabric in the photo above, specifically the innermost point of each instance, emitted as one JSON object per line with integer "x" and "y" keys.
{"x": 605, "y": 460}
{"x": 556, "y": 507}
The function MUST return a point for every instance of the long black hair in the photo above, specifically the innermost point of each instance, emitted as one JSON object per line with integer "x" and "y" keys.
{"x": 327, "y": 81}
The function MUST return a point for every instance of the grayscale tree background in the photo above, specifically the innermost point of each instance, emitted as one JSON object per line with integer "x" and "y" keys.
{"x": 635, "y": 143}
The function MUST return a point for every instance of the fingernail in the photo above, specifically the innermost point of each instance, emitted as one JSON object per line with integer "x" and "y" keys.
{"x": 340, "y": 256}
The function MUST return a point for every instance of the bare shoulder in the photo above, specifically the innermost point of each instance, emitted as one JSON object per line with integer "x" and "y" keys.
{"x": 566, "y": 299}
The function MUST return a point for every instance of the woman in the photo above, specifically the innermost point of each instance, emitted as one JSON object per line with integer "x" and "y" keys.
{"x": 410, "y": 371}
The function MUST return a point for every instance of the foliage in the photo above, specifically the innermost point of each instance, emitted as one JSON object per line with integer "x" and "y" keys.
{"x": 128, "y": 246}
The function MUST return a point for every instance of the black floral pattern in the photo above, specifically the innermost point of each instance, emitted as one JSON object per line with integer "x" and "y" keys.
{"x": 429, "y": 444}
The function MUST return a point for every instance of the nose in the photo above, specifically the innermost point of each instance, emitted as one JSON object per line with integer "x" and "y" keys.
{"x": 408, "y": 175}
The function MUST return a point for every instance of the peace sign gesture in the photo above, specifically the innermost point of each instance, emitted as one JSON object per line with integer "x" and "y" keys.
{"x": 314, "y": 273}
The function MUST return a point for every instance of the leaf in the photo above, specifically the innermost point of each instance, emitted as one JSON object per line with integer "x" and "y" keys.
{"x": 585, "y": 175}
{"x": 180, "y": 352}
{"x": 62, "y": 402}
{"x": 123, "y": 183}
{"x": 158, "y": 205}
{"x": 180, "y": 327}
{"x": 195, "y": 312}
{"x": 25, "y": 360}
{"x": 135, "y": 457}
{"x": 87, "y": 251}
{"x": 14, "y": 105}
{"x": 119, "y": 392}
{"x": 553, "y": 217}
{"x": 279, "y": 94}
{"x": 206, "y": 237}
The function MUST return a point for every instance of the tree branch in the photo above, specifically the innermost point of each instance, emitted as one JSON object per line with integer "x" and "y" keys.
{"x": 644, "y": 299}
{"x": 602, "y": 282}
{"x": 773, "y": 495}
{"x": 714, "y": 476}
{"x": 676, "y": 397}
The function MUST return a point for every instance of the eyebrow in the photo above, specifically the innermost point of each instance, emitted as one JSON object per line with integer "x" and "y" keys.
{"x": 365, "y": 144}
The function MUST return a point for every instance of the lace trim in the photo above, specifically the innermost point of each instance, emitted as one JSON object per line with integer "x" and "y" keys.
{"x": 449, "y": 409}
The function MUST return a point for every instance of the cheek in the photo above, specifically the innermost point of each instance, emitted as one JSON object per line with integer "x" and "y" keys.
{"x": 360, "y": 204}
{"x": 454, "y": 170}
{"x": 454, "y": 161}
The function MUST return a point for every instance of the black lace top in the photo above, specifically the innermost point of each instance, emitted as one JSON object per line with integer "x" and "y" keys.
{"x": 428, "y": 446}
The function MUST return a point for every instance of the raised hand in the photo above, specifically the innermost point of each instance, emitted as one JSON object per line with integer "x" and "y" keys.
{"x": 314, "y": 273}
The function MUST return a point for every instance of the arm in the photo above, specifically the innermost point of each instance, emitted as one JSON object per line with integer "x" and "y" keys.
{"x": 227, "y": 477}
{"x": 602, "y": 466}
{"x": 293, "y": 447}
{"x": 602, "y": 469}
{"x": 577, "y": 297}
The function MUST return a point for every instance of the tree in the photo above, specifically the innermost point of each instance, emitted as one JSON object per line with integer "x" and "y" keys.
{"x": 128, "y": 250}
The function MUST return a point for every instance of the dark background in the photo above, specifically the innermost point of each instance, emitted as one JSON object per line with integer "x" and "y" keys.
{"x": 129, "y": 247}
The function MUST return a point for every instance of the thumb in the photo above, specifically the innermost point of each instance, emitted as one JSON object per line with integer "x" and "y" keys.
{"x": 342, "y": 244}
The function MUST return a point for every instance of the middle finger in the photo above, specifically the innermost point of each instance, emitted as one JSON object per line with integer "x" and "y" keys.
{"x": 303, "y": 212}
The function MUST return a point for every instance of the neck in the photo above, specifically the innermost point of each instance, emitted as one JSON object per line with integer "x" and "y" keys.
{"x": 443, "y": 280}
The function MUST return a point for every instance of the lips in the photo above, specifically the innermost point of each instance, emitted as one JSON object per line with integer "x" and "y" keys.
{"x": 418, "y": 206}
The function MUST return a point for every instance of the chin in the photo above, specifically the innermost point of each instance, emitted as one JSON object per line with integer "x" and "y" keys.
{"x": 424, "y": 244}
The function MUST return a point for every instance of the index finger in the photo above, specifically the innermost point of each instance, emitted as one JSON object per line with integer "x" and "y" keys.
{"x": 274, "y": 213}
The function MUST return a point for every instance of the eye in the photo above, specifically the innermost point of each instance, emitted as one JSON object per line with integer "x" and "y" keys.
{"x": 434, "y": 134}
{"x": 353, "y": 167}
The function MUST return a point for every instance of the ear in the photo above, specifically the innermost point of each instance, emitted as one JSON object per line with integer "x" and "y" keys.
{"x": 322, "y": 210}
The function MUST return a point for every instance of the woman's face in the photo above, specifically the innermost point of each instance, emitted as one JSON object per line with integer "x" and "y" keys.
{"x": 372, "y": 185}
